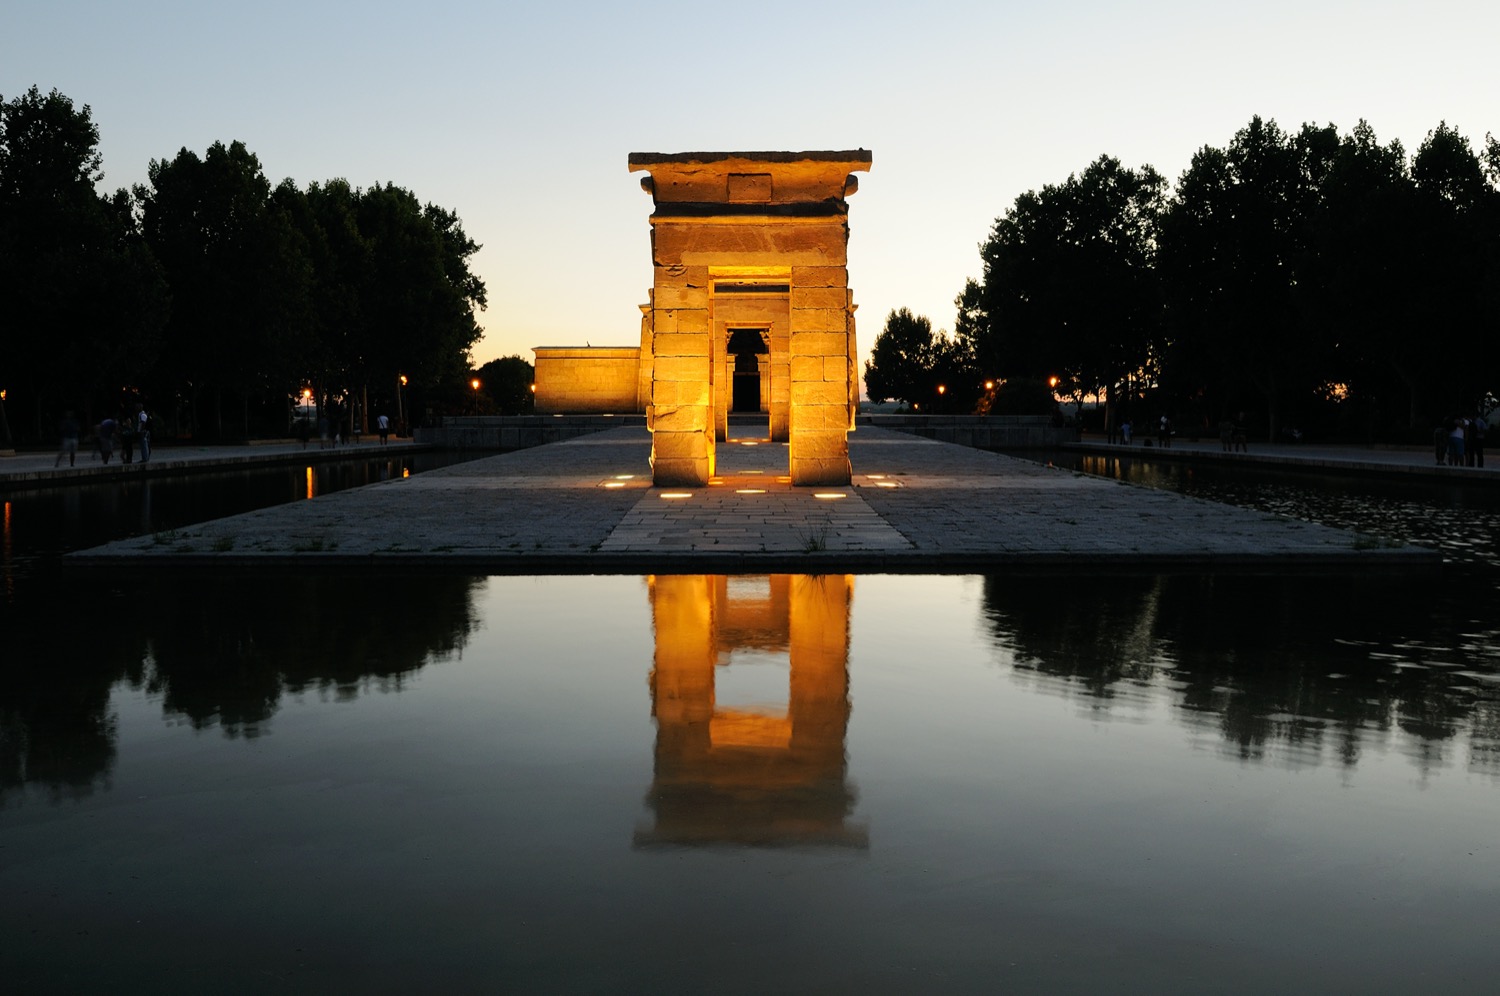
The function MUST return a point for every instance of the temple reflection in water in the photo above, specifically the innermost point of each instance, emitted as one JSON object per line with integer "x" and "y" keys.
{"x": 752, "y": 773}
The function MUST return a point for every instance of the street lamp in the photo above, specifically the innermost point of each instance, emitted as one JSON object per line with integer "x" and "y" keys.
{"x": 400, "y": 404}
{"x": 475, "y": 385}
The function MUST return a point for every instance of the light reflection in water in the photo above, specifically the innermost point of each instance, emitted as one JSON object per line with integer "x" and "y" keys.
{"x": 312, "y": 482}
{"x": 751, "y": 773}
{"x": 7, "y": 552}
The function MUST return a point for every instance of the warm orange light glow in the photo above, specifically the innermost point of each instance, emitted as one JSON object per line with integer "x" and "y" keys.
{"x": 474, "y": 384}
{"x": 750, "y": 491}
{"x": 829, "y": 494}
{"x": 405, "y": 471}
{"x": 1052, "y": 382}
{"x": 886, "y": 484}
{"x": 677, "y": 494}
{"x": 306, "y": 394}
{"x": 942, "y": 388}
{"x": 624, "y": 477}
{"x": 403, "y": 380}
{"x": 312, "y": 483}
{"x": 989, "y": 385}
{"x": 614, "y": 484}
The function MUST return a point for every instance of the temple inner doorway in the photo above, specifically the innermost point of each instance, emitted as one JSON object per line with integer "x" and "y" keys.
{"x": 750, "y": 352}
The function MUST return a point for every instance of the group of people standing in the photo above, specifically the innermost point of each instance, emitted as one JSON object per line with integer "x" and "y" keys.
{"x": 1459, "y": 439}
{"x": 129, "y": 432}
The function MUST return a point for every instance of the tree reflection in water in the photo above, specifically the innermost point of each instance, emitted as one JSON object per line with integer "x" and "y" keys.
{"x": 218, "y": 650}
{"x": 1289, "y": 670}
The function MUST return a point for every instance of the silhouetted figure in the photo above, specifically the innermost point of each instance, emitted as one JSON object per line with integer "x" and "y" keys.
{"x": 1125, "y": 432}
{"x": 1164, "y": 432}
{"x": 104, "y": 439}
{"x": 383, "y": 424}
{"x": 1440, "y": 442}
{"x": 126, "y": 429}
{"x": 1481, "y": 428}
{"x": 143, "y": 432}
{"x": 69, "y": 430}
{"x": 1456, "y": 428}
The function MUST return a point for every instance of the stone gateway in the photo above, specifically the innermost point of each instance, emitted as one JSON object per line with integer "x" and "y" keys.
{"x": 749, "y": 308}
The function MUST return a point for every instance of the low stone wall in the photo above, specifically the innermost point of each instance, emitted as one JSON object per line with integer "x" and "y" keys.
{"x": 985, "y": 432}
{"x": 517, "y": 432}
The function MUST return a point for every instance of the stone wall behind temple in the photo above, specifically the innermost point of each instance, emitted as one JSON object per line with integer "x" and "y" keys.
{"x": 584, "y": 380}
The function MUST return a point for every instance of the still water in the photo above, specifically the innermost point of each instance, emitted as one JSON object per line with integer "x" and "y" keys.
{"x": 745, "y": 784}
{"x": 785, "y": 783}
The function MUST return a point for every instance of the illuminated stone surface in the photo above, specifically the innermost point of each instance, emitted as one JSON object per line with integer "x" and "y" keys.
{"x": 749, "y": 257}
{"x": 587, "y": 379}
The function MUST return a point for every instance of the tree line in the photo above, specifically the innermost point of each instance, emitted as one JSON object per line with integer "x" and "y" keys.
{"x": 1315, "y": 279}
{"x": 214, "y": 298}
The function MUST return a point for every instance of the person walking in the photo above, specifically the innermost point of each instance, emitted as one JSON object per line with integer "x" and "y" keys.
{"x": 143, "y": 432}
{"x": 383, "y": 424}
{"x": 69, "y": 429}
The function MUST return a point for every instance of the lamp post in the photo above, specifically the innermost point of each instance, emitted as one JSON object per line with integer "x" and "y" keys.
{"x": 400, "y": 404}
{"x": 475, "y": 385}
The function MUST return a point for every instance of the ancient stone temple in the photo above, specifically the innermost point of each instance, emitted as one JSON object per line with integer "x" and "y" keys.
{"x": 750, "y": 308}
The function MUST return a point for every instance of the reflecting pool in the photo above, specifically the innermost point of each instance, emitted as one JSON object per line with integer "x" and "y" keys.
{"x": 783, "y": 783}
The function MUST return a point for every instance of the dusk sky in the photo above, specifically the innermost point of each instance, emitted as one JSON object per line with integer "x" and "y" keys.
{"x": 520, "y": 116}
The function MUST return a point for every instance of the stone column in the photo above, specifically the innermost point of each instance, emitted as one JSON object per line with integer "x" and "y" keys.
{"x": 682, "y": 382}
{"x": 820, "y": 403}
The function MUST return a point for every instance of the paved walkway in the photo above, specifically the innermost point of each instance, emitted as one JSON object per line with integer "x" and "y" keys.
{"x": 32, "y": 469}
{"x": 587, "y": 506}
{"x": 1386, "y": 461}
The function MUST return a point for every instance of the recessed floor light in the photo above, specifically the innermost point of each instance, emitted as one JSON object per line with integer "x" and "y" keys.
{"x": 677, "y": 494}
{"x": 750, "y": 491}
{"x": 829, "y": 494}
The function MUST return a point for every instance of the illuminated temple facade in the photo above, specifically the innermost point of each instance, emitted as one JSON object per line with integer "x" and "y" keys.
{"x": 749, "y": 311}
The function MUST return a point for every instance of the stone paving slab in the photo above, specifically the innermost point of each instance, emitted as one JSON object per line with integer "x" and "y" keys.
{"x": 587, "y": 506}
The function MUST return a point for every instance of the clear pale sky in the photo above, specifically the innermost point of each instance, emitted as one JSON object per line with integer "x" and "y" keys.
{"x": 520, "y": 116}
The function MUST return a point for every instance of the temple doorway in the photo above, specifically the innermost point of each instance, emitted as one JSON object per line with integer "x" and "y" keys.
{"x": 749, "y": 349}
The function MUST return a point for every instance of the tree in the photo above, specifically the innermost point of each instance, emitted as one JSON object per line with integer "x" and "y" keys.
{"x": 1069, "y": 288}
{"x": 234, "y": 270}
{"x": 1235, "y": 251}
{"x": 81, "y": 296}
{"x": 506, "y": 382}
{"x": 1458, "y": 270}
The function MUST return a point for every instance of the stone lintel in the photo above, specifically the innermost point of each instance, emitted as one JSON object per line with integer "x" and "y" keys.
{"x": 770, "y": 182}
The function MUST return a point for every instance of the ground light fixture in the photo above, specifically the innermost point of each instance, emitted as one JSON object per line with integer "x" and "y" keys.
{"x": 676, "y": 495}
{"x": 829, "y": 495}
